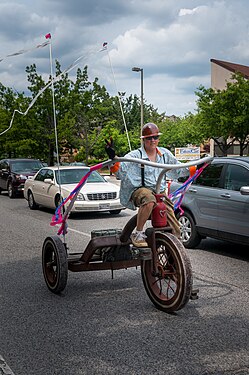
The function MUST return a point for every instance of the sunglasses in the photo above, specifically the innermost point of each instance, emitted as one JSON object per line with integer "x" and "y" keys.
{"x": 155, "y": 137}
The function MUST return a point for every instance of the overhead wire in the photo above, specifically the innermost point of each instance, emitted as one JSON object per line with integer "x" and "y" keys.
{"x": 118, "y": 94}
{"x": 51, "y": 83}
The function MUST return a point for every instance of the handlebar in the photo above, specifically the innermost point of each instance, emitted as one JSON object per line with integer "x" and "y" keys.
{"x": 168, "y": 167}
{"x": 165, "y": 167}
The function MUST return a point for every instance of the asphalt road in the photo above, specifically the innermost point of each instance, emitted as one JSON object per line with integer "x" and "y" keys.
{"x": 101, "y": 325}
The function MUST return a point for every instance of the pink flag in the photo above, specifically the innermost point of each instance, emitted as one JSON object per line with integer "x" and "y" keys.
{"x": 48, "y": 36}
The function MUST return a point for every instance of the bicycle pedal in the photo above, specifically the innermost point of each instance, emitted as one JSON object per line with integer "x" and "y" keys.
{"x": 194, "y": 294}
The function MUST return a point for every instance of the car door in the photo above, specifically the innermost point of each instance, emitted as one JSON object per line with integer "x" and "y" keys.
{"x": 202, "y": 197}
{"x": 43, "y": 191}
{"x": 49, "y": 189}
{"x": 5, "y": 174}
{"x": 2, "y": 185}
{"x": 233, "y": 207}
{"x": 37, "y": 186}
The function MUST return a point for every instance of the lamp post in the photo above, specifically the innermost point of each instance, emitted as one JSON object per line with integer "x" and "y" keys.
{"x": 136, "y": 69}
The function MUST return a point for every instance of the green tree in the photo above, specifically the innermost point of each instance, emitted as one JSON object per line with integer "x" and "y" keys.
{"x": 90, "y": 109}
{"x": 41, "y": 114}
{"x": 224, "y": 114}
{"x": 85, "y": 114}
{"x": 181, "y": 132}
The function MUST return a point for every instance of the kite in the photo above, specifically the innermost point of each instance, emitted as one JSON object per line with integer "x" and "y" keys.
{"x": 53, "y": 80}
{"x": 22, "y": 51}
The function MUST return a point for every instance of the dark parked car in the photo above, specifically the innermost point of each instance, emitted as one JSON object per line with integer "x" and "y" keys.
{"x": 217, "y": 203}
{"x": 14, "y": 173}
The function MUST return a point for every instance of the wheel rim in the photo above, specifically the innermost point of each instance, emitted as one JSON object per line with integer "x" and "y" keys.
{"x": 10, "y": 190}
{"x": 31, "y": 200}
{"x": 166, "y": 282}
{"x": 51, "y": 265}
{"x": 58, "y": 200}
{"x": 169, "y": 283}
{"x": 185, "y": 227}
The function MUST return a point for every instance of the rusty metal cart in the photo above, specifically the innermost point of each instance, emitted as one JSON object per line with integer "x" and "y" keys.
{"x": 165, "y": 264}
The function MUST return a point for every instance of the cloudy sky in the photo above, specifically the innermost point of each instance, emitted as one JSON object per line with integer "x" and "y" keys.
{"x": 172, "y": 40}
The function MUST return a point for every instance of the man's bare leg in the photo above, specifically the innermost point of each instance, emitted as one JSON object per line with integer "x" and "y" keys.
{"x": 143, "y": 215}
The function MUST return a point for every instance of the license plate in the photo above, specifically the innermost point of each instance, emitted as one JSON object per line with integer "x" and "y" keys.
{"x": 104, "y": 206}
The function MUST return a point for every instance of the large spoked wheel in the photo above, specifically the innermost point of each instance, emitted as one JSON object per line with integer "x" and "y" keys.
{"x": 169, "y": 287}
{"x": 54, "y": 264}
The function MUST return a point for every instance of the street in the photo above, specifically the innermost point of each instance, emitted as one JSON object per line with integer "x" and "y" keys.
{"x": 101, "y": 325}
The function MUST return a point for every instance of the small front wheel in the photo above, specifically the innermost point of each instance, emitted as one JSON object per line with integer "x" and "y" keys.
{"x": 169, "y": 285}
{"x": 54, "y": 264}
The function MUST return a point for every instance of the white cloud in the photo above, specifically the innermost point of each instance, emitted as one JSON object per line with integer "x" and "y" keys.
{"x": 172, "y": 41}
{"x": 184, "y": 12}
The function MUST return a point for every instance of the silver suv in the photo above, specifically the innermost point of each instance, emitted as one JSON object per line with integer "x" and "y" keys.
{"x": 217, "y": 203}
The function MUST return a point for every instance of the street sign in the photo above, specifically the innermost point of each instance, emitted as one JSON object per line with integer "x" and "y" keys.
{"x": 187, "y": 153}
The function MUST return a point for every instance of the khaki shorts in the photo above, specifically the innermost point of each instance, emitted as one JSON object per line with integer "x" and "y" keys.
{"x": 142, "y": 196}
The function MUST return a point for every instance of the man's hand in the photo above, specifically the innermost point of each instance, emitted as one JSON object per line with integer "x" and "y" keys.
{"x": 109, "y": 148}
{"x": 192, "y": 170}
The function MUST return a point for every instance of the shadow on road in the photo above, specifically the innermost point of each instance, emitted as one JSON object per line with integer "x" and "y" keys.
{"x": 232, "y": 250}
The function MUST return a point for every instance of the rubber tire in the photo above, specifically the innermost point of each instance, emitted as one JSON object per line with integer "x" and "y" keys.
{"x": 54, "y": 264}
{"x": 58, "y": 199}
{"x": 189, "y": 235}
{"x": 164, "y": 291}
{"x": 31, "y": 201}
{"x": 11, "y": 192}
{"x": 115, "y": 212}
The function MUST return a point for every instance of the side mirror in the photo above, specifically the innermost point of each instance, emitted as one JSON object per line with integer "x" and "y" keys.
{"x": 48, "y": 181}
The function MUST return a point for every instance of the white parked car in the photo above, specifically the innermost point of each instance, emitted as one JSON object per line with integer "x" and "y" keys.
{"x": 50, "y": 184}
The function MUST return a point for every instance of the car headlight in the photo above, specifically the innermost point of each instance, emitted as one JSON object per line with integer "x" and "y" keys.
{"x": 20, "y": 177}
{"x": 80, "y": 197}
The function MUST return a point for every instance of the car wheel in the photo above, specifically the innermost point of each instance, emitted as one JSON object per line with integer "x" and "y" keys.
{"x": 31, "y": 201}
{"x": 189, "y": 236}
{"x": 11, "y": 192}
{"x": 58, "y": 200}
{"x": 115, "y": 212}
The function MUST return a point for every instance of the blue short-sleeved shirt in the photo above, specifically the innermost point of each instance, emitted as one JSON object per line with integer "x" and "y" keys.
{"x": 130, "y": 173}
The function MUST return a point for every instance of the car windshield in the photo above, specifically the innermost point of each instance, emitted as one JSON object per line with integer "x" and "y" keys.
{"x": 73, "y": 176}
{"x": 26, "y": 165}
